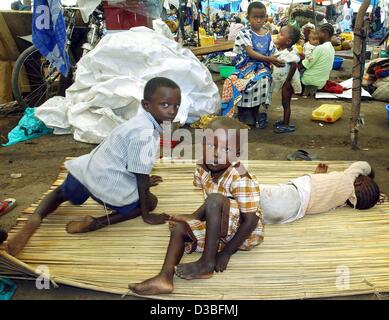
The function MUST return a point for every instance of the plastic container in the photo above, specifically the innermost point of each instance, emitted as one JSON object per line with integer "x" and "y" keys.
{"x": 384, "y": 53}
{"x": 202, "y": 32}
{"x": 207, "y": 41}
{"x": 347, "y": 36}
{"x": 299, "y": 48}
{"x": 226, "y": 71}
{"x": 328, "y": 113}
{"x": 120, "y": 18}
{"x": 338, "y": 61}
{"x": 387, "y": 111}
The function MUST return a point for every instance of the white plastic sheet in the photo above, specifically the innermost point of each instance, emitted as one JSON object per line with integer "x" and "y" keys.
{"x": 110, "y": 80}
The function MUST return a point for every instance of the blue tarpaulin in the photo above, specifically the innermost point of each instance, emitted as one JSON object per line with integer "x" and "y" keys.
{"x": 29, "y": 127}
{"x": 231, "y": 6}
{"x": 49, "y": 33}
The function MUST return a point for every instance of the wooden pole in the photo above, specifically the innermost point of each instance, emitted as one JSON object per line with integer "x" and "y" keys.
{"x": 360, "y": 35}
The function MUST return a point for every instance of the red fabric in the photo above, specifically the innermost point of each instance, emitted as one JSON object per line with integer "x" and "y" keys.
{"x": 333, "y": 87}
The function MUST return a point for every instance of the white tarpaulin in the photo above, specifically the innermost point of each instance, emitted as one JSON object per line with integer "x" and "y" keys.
{"x": 110, "y": 80}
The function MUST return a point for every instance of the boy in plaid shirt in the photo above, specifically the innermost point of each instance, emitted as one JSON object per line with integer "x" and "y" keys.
{"x": 229, "y": 220}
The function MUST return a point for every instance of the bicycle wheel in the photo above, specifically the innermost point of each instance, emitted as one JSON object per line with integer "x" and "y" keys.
{"x": 34, "y": 79}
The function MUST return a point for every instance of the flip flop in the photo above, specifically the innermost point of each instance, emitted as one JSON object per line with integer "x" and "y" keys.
{"x": 7, "y": 205}
{"x": 281, "y": 122}
{"x": 283, "y": 129}
{"x": 301, "y": 155}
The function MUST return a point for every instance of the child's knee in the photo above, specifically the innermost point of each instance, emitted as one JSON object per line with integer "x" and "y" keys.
{"x": 153, "y": 202}
{"x": 180, "y": 228}
{"x": 215, "y": 200}
{"x": 59, "y": 194}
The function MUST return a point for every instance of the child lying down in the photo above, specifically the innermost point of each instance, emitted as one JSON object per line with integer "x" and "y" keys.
{"x": 320, "y": 192}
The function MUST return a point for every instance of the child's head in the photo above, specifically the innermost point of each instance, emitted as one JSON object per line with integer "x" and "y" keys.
{"x": 162, "y": 98}
{"x": 326, "y": 31}
{"x": 221, "y": 143}
{"x": 238, "y": 20}
{"x": 289, "y": 36}
{"x": 367, "y": 192}
{"x": 313, "y": 38}
{"x": 256, "y": 15}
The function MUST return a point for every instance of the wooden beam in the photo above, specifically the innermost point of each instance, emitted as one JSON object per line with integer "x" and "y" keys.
{"x": 225, "y": 46}
{"x": 360, "y": 35}
{"x": 8, "y": 42}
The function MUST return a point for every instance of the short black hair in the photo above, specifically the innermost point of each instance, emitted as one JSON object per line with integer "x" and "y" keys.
{"x": 155, "y": 83}
{"x": 238, "y": 20}
{"x": 367, "y": 192}
{"x": 327, "y": 27}
{"x": 294, "y": 34}
{"x": 255, "y": 5}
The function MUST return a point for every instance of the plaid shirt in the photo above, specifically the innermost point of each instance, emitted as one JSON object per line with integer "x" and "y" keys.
{"x": 243, "y": 191}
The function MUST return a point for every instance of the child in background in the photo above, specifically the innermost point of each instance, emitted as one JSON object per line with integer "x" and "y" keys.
{"x": 235, "y": 27}
{"x": 320, "y": 192}
{"x": 287, "y": 78}
{"x": 116, "y": 173}
{"x": 250, "y": 89}
{"x": 319, "y": 64}
{"x": 313, "y": 42}
{"x": 229, "y": 220}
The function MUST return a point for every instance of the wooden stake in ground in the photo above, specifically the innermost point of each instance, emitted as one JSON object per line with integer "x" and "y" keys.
{"x": 360, "y": 35}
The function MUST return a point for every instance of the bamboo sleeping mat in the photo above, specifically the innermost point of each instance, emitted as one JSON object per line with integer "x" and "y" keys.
{"x": 304, "y": 259}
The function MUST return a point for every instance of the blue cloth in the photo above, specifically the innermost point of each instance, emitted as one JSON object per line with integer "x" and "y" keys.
{"x": 75, "y": 192}
{"x": 29, "y": 127}
{"x": 49, "y": 33}
{"x": 7, "y": 289}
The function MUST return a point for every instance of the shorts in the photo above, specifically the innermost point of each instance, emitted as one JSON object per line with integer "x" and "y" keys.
{"x": 75, "y": 192}
{"x": 232, "y": 219}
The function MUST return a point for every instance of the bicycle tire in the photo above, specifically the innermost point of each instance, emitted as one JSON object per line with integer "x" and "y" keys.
{"x": 17, "y": 71}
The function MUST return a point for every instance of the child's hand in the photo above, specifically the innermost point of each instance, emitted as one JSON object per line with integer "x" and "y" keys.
{"x": 153, "y": 218}
{"x": 181, "y": 217}
{"x": 276, "y": 62}
{"x": 222, "y": 260}
{"x": 155, "y": 180}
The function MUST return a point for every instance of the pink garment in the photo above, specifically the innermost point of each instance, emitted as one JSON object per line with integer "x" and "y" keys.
{"x": 234, "y": 29}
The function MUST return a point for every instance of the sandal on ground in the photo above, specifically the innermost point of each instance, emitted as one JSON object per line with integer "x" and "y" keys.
{"x": 7, "y": 205}
{"x": 3, "y": 235}
{"x": 301, "y": 155}
{"x": 281, "y": 123}
{"x": 284, "y": 129}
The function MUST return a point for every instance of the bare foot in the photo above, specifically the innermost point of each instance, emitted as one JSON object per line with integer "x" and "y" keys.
{"x": 157, "y": 285}
{"x": 195, "y": 270}
{"x": 181, "y": 217}
{"x": 87, "y": 224}
{"x": 19, "y": 240}
{"x": 321, "y": 168}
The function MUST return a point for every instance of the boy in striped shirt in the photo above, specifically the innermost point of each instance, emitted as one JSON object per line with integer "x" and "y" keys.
{"x": 116, "y": 173}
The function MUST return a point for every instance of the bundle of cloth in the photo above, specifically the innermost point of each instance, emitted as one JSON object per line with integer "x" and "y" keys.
{"x": 376, "y": 78}
{"x": 110, "y": 79}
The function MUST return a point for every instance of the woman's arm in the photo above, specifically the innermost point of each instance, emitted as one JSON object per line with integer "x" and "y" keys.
{"x": 260, "y": 57}
{"x": 248, "y": 224}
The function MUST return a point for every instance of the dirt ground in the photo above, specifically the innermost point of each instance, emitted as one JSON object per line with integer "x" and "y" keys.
{"x": 39, "y": 160}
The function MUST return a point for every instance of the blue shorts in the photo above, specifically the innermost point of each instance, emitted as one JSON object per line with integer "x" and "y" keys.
{"x": 75, "y": 192}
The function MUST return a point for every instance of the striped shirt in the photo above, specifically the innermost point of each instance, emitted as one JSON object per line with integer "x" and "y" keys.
{"x": 331, "y": 190}
{"x": 108, "y": 172}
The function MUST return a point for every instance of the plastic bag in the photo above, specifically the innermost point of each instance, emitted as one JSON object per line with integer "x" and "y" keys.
{"x": 29, "y": 127}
